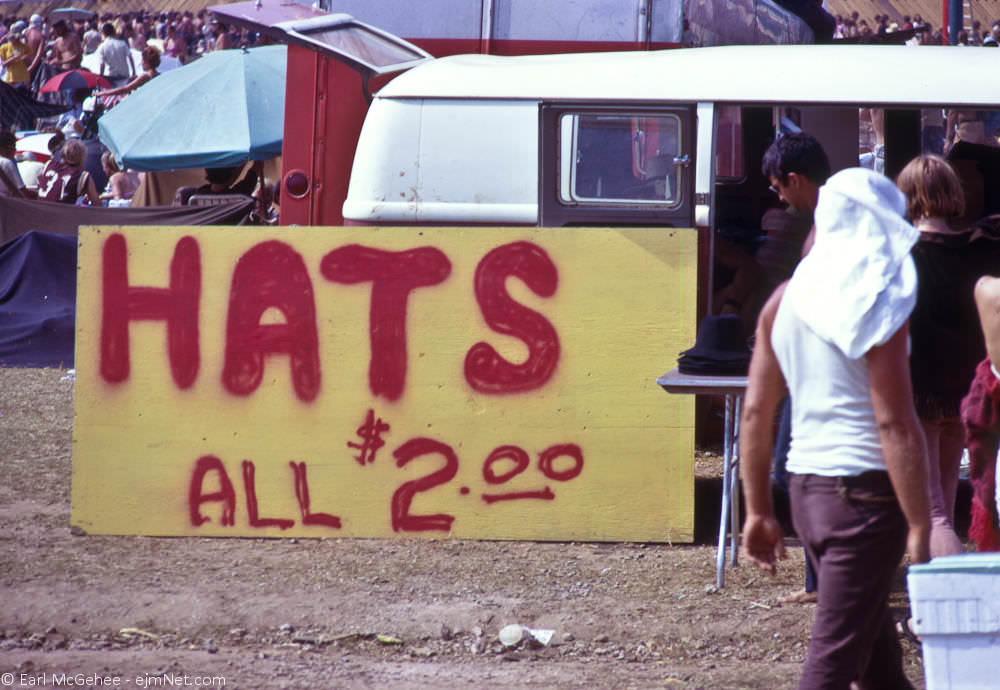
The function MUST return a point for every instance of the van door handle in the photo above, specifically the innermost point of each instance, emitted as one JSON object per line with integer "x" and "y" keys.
{"x": 682, "y": 161}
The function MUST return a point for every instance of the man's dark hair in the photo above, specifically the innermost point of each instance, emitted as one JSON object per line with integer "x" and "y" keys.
{"x": 796, "y": 153}
{"x": 7, "y": 140}
{"x": 109, "y": 30}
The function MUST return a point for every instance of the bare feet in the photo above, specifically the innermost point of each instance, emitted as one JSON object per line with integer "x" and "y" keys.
{"x": 800, "y": 597}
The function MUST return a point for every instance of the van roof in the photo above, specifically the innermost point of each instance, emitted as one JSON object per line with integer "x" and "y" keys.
{"x": 870, "y": 74}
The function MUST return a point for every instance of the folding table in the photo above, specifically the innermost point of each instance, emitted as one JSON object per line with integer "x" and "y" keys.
{"x": 733, "y": 388}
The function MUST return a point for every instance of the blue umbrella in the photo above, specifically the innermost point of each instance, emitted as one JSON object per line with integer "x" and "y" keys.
{"x": 71, "y": 14}
{"x": 219, "y": 111}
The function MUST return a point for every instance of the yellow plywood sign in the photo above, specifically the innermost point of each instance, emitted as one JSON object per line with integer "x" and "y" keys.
{"x": 492, "y": 383}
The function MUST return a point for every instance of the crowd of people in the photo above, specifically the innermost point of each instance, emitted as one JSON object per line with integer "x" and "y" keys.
{"x": 855, "y": 27}
{"x": 126, "y": 50}
{"x": 64, "y": 42}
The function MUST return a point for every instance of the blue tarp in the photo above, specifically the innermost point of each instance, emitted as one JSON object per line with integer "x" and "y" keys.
{"x": 37, "y": 300}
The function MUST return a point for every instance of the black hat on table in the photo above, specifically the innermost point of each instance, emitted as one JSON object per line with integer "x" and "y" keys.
{"x": 720, "y": 349}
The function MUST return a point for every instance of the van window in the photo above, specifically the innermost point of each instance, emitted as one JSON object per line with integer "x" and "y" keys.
{"x": 623, "y": 164}
{"x": 729, "y": 143}
{"x": 619, "y": 158}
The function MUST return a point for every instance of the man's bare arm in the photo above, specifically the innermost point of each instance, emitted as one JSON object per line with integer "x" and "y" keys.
{"x": 763, "y": 539}
{"x": 903, "y": 444}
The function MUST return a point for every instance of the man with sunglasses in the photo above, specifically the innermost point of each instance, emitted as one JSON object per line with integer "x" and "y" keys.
{"x": 796, "y": 166}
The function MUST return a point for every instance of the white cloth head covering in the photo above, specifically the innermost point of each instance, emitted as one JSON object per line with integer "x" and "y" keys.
{"x": 858, "y": 284}
{"x": 35, "y": 20}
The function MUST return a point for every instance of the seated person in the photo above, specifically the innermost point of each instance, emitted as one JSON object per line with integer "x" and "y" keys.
{"x": 223, "y": 181}
{"x": 65, "y": 180}
{"x": 73, "y": 122}
{"x": 122, "y": 184}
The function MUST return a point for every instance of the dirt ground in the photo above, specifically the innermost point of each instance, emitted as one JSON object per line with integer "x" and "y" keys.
{"x": 262, "y": 614}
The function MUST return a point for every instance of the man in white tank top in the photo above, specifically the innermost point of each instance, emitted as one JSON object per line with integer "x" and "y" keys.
{"x": 835, "y": 336}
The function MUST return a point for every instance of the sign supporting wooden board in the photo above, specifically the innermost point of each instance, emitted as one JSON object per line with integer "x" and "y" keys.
{"x": 479, "y": 383}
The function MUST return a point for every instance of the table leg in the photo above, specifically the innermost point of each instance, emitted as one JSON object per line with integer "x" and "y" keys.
{"x": 727, "y": 446}
{"x": 734, "y": 489}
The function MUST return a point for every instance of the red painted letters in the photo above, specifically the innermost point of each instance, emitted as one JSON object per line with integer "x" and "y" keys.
{"x": 393, "y": 276}
{"x": 521, "y": 462}
{"x": 485, "y": 370}
{"x": 549, "y": 455}
{"x": 403, "y": 496}
{"x": 225, "y": 494}
{"x": 302, "y": 496}
{"x": 177, "y": 305}
{"x": 518, "y": 455}
{"x": 250, "y": 487}
{"x": 271, "y": 274}
{"x": 543, "y": 494}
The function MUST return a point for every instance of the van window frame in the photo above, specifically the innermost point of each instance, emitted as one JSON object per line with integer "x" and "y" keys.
{"x": 554, "y": 211}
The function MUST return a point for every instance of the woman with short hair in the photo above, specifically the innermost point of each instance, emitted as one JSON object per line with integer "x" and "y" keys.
{"x": 946, "y": 341}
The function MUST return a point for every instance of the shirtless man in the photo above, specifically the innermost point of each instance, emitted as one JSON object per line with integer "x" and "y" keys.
{"x": 67, "y": 50}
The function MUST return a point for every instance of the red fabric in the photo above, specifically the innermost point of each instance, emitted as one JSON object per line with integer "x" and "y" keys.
{"x": 981, "y": 416}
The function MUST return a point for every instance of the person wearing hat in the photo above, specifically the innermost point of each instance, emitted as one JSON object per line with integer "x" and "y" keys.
{"x": 34, "y": 36}
{"x": 14, "y": 56}
{"x": 858, "y": 459}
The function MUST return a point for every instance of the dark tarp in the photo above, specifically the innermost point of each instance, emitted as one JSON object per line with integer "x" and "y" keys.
{"x": 38, "y": 269}
{"x": 18, "y": 216}
{"x": 19, "y": 110}
{"x": 37, "y": 300}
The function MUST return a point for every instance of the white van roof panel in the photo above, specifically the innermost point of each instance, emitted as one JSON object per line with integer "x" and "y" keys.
{"x": 744, "y": 74}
